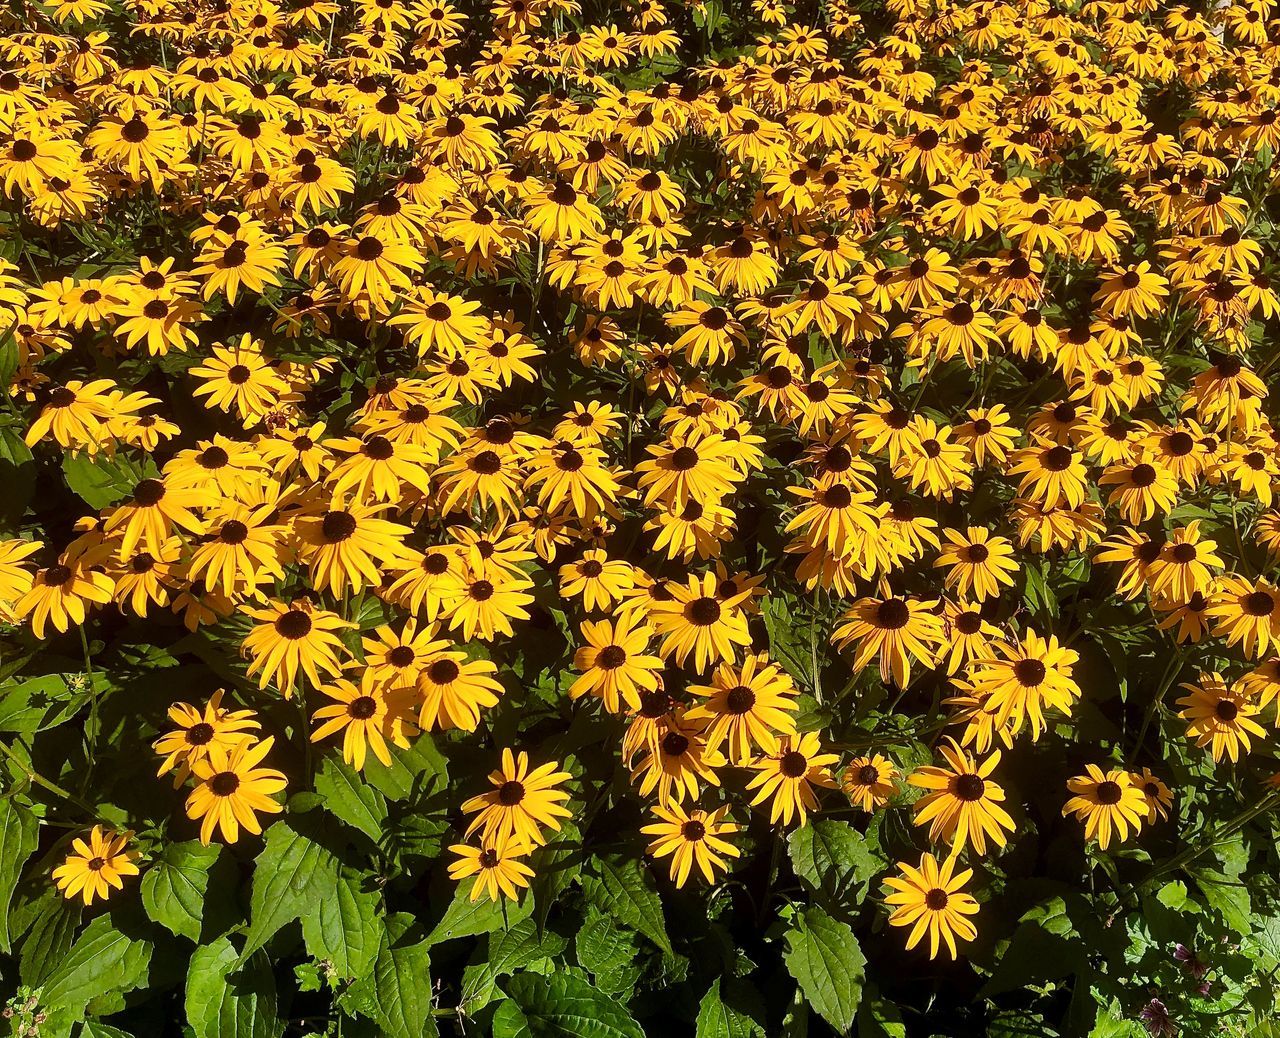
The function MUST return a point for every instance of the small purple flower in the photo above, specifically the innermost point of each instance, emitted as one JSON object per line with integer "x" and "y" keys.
{"x": 1155, "y": 1017}
{"x": 1188, "y": 958}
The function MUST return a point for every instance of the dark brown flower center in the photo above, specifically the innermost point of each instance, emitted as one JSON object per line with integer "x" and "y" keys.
{"x": 293, "y": 624}
{"x": 1030, "y": 672}
{"x": 703, "y": 612}
{"x": 200, "y": 734}
{"x": 1109, "y": 792}
{"x": 148, "y": 492}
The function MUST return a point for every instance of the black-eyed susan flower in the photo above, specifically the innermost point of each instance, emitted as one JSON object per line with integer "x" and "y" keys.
{"x": 522, "y": 802}
{"x": 869, "y": 781}
{"x": 232, "y": 790}
{"x": 930, "y": 899}
{"x": 963, "y": 805}
{"x": 1108, "y": 803}
{"x": 198, "y": 729}
{"x": 615, "y": 663}
{"x": 786, "y": 778}
{"x": 96, "y": 866}
{"x": 1220, "y": 715}
{"x": 369, "y": 716}
{"x": 496, "y": 867}
{"x": 692, "y": 839}
{"x": 293, "y": 638}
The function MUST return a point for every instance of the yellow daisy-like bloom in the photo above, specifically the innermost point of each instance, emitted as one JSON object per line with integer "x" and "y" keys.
{"x": 521, "y": 803}
{"x": 1020, "y": 680}
{"x": 368, "y": 715}
{"x": 977, "y": 563}
{"x": 788, "y": 776}
{"x": 894, "y": 631}
{"x": 1220, "y": 716}
{"x": 964, "y": 805}
{"x": 232, "y": 790}
{"x": 1247, "y": 613}
{"x": 497, "y": 868}
{"x": 615, "y": 662}
{"x": 291, "y": 639}
{"x": 197, "y": 730}
{"x": 239, "y": 378}
{"x": 869, "y": 781}
{"x": 1107, "y": 802}
{"x": 96, "y": 866}
{"x": 694, "y": 838}
{"x": 930, "y": 899}
{"x": 748, "y": 707}
{"x": 695, "y": 622}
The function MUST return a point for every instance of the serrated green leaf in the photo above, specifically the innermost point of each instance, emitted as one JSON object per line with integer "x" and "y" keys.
{"x": 94, "y": 1029}
{"x": 223, "y": 1001}
{"x": 832, "y": 859}
{"x": 291, "y": 876}
{"x": 345, "y": 929}
{"x": 189, "y": 885}
{"x": 719, "y": 1019}
{"x": 397, "y": 993}
{"x": 18, "y": 831}
{"x": 52, "y": 933}
{"x": 609, "y": 953}
{"x": 622, "y": 888}
{"x": 103, "y": 959}
{"x": 350, "y": 799}
{"x": 417, "y": 771}
{"x": 824, "y": 957}
{"x": 565, "y": 1006}
{"x": 467, "y": 918}
{"x": 508, "y": 951}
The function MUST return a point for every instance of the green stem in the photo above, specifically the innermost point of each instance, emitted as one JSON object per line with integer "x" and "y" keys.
{"x": 40, "y": 780}
{"x": 92, "y": 733}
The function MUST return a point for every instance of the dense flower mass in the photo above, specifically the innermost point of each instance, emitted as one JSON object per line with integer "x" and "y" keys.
{"x": 769, "y": 461}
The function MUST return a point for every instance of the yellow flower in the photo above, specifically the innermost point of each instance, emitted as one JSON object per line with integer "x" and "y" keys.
{"x": 95, "y": 867}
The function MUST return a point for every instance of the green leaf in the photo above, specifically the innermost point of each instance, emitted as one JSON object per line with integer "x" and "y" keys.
{"x": 189, "y": 885}
{"x": 17, "y": 476}
{"x": 396, "y": 995}
{"x": 291, "y": 876}
{"x": 824, "y": 957}
{"x": 1036, "y": 955}
{"x": 508, "y": 951}
{"x": 17, "y": 841}
{"x": 101, "y": 481}
{"x": 419, "y": 770}
{"x": 565, "y": 1006}
{"x": 49, "y": 940}
{"x": 718, "y": 1019}
{"x": 787, "y": 645}
{"x": 350, "y": 799}
{"x": 94, "y": 1029}
{"x": 556, "y": 865}
{"x": 610, "y": 953}
{"x": 832, "y": 859}
{"x": 225, "y": 1002}
{"x": 622, "y": 888}
{"x": 345, "y": 928}
{"x": 103, "y": 959}
{"x": 1228, "y": 897}
{"x": 467, "y": 918}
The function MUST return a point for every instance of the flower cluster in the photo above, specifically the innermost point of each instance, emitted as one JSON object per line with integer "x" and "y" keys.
{"x": 444, "y": 317}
